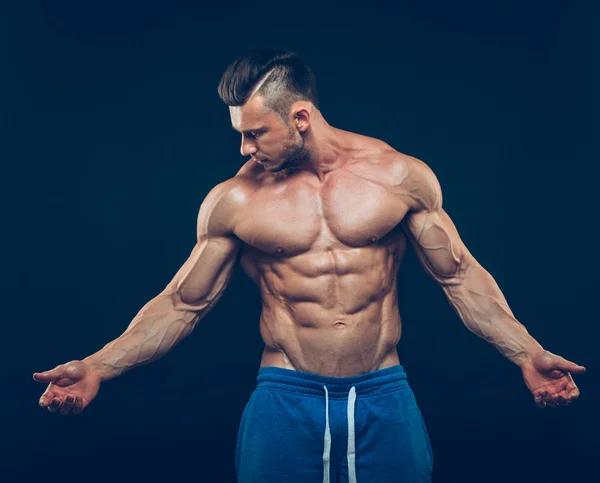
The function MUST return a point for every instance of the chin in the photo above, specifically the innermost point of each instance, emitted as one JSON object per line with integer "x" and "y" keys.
{"x": 276, "y": 168}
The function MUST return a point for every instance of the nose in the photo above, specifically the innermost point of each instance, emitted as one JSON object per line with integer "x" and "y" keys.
{"x": 248, "y": 146}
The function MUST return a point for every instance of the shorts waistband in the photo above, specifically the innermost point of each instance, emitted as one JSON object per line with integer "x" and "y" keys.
{"x": 338, "y": 387}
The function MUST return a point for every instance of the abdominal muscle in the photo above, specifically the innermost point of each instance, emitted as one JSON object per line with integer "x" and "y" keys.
{"x": 354, "y": 345}
{"x": 328, "y": 323}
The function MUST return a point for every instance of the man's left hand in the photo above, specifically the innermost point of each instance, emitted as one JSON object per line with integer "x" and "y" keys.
{"x": 548, "y": 377}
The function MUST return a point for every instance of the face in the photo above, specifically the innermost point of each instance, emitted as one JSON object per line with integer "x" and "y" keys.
{"x": 273, "y": 143}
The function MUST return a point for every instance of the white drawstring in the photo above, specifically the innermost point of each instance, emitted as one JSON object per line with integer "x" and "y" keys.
{"x": 351, "y": 448}
{"x": 351, "y": 454}
{"x": 327, "y": 444}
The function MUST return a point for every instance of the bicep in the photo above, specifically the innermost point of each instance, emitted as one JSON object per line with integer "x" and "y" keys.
{"x": 437, "y": 244}
{"x": 430, "y": 230}
{"x": 206, "y": 272}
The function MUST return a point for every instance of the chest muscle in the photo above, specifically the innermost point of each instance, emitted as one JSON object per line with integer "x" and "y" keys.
{"x": 340, "y": 213}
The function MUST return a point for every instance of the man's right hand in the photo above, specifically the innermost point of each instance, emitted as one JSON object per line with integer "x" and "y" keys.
{"x": 72, "y": 387}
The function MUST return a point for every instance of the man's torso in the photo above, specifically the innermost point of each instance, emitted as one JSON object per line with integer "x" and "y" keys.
{"x": 325, "y": 254}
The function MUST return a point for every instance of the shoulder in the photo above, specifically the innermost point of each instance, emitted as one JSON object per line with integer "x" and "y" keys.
{"x": 418, "y": 183}
{"x": 375, "y": 161}
{"x": 400, "y": 173}
{"x": 422, "y": 184}
{"x": 223, "y": 203}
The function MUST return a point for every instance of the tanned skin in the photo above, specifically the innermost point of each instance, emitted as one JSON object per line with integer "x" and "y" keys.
{"x": 320, "y": 219}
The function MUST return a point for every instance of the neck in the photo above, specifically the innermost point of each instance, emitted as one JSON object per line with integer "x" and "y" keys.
{"x": 324, "y": 145}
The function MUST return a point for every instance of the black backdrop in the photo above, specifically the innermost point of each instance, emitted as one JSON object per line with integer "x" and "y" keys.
{"x": 114, "y": 133}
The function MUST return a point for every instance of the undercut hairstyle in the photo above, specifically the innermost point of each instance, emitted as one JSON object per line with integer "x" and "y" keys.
{"x": 281, "y": 76}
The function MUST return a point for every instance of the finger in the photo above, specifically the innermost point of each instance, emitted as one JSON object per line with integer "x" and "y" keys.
{"x": 48, "y": 376}
{"x": 78, "y": 406}
{"x": 66, "y": 405}
{"x": 539, "y": 401}
{"x": 574, "y": 394}
{"x": 562, "y": 399}
{"x": 575, "y": 369}
{"x": 547, "y": 398}
{"x": 54, "y": 405}
{"x": 569, "y": 366}
{"x": 46, "y": 398}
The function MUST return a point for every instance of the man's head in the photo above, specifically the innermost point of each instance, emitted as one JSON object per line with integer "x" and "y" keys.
{"x": 271, "y": 95}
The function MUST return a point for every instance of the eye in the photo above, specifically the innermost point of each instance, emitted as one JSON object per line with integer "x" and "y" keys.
{"x": 255, "y": 134}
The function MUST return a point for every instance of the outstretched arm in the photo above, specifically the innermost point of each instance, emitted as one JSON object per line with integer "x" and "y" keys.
{"x": 165, "y": 320}
{"x": 474, "y": 293}
{"x": 172, "y": 315}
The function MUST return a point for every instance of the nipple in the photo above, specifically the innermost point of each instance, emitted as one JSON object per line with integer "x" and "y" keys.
{"x": 279, "y": 249}
{"x": 373, "y": 238}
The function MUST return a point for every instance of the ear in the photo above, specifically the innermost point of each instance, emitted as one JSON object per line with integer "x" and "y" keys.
{"x": 301, "y": 114}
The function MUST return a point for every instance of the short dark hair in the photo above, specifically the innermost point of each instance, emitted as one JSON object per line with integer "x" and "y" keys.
{"x": 289, "y": 80}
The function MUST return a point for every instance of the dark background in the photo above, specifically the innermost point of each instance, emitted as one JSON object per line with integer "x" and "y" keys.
{"x": 113, "y": 133}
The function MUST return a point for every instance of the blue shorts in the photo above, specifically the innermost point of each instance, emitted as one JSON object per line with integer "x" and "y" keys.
{"x": 306, "y": 428}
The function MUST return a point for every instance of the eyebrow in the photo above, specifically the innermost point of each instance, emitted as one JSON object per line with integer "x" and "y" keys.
{"x": 247, "y": 131}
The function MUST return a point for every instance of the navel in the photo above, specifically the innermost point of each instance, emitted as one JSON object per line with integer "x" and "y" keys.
{"x": 339, "y": 324}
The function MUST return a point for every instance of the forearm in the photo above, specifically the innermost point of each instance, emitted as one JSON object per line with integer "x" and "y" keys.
{"x": 159, "y": 326}
{"x": 482, "y": 307}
